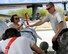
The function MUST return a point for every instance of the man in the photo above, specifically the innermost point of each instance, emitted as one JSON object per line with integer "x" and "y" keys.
{"x": 15, "y": 22}
{"x": 56, "y": 18}
{"x": 20, "y": 45}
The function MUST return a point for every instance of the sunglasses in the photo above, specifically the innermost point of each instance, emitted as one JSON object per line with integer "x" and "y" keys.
{"x": 49, "y": 8}
{"x": 16, "y": 18}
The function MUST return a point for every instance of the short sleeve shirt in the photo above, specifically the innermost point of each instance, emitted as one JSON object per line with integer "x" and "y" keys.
{"x": 55, "y": 19}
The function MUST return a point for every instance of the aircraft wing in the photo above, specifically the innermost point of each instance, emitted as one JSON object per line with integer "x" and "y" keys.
{"x": 20, "y": 5}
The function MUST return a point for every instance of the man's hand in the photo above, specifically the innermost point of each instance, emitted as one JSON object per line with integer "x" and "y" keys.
{"x": 54, "y": 38}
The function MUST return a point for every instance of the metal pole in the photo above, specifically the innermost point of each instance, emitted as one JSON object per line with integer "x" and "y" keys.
{"x": 64, "y": 3}
{"x": 34, "y": 9}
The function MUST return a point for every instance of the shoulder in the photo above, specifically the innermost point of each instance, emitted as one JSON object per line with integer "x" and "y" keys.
{"x": 10, "y": 24}
{"x": 23, "y": 38}
{"x": 26, "y": 39}
{"x": 58, "y": 13}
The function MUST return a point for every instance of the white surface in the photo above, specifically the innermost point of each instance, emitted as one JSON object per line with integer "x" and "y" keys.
{"x": 46, "y": 36}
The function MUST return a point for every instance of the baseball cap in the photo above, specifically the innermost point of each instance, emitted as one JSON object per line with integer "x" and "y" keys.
{"x": 50, "y": 4}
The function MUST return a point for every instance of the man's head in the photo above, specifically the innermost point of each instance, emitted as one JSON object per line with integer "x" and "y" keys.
{"x": 10, "y": 32}
{"x": 50, "y": 7}
{"x": 14, "y": 18}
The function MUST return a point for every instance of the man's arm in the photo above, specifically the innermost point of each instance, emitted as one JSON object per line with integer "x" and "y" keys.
{"x": 60, "y": 27}
{"x": 37, "y": 23}
{"x": 34, "y": 47}
{"x": 41, "y": 21}
{"x": 37, "y": 49}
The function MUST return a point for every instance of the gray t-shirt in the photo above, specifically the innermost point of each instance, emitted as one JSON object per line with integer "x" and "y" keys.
{"x": 55, "y": 19}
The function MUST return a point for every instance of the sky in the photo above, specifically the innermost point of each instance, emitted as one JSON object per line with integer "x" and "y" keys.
{"x": 28, "y": 1}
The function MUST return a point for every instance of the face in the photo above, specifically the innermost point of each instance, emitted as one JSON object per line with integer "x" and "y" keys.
{"x": 50, "y": 9}
{"x": 16, "y": 19}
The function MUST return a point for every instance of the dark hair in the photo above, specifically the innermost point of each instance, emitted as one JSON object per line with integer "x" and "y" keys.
{"x": 12, "y": 18}
{"x": 11, "y": 32}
